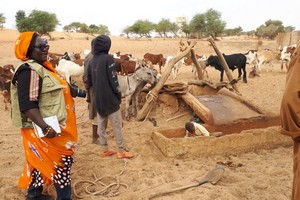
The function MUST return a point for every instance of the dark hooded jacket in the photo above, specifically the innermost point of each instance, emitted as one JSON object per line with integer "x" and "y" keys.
{"x": 102, "y": 76}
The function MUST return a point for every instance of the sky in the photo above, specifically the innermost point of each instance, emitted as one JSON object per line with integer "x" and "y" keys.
{"x": 119, "y": 14}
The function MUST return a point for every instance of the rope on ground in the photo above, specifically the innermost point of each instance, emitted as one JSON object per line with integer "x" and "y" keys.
{"x": 99, "y": 187}
{"x": 80, "y": 114}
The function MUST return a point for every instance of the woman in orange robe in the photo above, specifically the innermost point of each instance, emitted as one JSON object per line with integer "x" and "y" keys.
{"x": 48, "y": 158}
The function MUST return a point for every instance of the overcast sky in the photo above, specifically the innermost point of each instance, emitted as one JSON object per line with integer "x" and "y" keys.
{"x": 118, "y": 14}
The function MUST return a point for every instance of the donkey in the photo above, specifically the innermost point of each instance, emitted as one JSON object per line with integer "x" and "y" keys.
{"x": 132, "y": 85}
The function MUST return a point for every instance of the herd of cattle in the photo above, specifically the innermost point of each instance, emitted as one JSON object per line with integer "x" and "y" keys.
{"x": 71, "y": 65}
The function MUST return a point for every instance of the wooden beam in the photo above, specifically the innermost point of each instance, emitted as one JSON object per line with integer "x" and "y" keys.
{"x": 152, "y": 95}
{"x": 201, "y": 111}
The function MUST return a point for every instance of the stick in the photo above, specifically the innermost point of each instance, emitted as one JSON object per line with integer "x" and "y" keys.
{"x": 177, "y": 116}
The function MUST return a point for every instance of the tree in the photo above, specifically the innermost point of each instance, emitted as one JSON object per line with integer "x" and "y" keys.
{"x": 75, "y": 26}
{"x": 67, "y": 28}
{"x": 174, "y": 28}
{"x": 2, "y": 20}
{"x": 127, "y": 31}
{"x": 214, "y": 25}
{"x": 103, "y": 30}
{"x": 197, "y": 24}
{"x": 209, "y": 23}
{"x": 142, "y": 28}
{"x": 21, "y": 22}
{"x": 84, "y": 28}
{"x": 289, "y": 28}
{"x": 39, "y": 21}
{"x": 234, "y": 31}
{"x": 270, "y": 29}
{"x": 186, "y": 28}
{"x": 163, "y": 27}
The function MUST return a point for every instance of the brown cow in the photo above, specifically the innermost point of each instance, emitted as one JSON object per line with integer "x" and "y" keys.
{"x": 125, "y": 67}
{"x": 6, "y": 74}
{"x": 123, "y": 57}
{"x": 7, "y": 71}
{"x": 128, "y": 67}
{"x": 155, "y": 59}
{"x": 188, "y": 59}
{"x": 5, "y": 89}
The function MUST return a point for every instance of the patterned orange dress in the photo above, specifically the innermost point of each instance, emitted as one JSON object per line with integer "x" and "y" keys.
{"x": 49, "y": 159}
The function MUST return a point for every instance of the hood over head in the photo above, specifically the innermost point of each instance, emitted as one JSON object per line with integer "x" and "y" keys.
{"x": 102, "y": 44}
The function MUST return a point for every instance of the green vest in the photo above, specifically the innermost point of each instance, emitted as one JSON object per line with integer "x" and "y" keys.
{"x": 51, "y": 100}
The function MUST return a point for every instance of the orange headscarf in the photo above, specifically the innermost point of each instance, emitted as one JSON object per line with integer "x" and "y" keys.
{"x": 22, "y": 44}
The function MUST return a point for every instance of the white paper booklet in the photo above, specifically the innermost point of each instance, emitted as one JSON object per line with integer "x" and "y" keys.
{"x": 51, "y": 121}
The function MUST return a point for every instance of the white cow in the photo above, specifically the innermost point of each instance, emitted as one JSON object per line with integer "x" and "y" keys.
{"x": 176, "y": 67}
{"x": 251, "y": 56}
{"x": 285, "y": 56}
{"x": 265, "y": 56}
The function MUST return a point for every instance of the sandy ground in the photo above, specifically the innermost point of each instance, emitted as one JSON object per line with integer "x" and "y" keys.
{"x": 257, "y": 174}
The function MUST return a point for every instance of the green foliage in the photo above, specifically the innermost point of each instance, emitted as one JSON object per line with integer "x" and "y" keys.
{"x": 270, "y": 29}
{"x": 103, "y": 30}
{"x": 142, "y": 28}
{"x": 289, "y": 28}
{"x": 20, "y": 15}
{"x": 39, "y": 21}
{"x": 209, "y": 23}
{"x": 127, "y": 31}
{"x": 201, "y": 25}
{"x": 163, "y": 27}
{"x": 186, "y": 28}
{"x": 234, "y": 31}
{"x": 198, "y": 23}
{"x": 174, "y": 28}
{"x": 2, "y": 20}
{"x": 84, "y": 28}
{"x": 74, "y": 26}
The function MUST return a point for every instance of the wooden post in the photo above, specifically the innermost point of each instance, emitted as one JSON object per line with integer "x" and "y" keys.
{"x": 198, "y": 67}
{"x": 152, "y": 95}
{"x": 201, "y": 111}
{"x": 226, "y": 92}
{"x": 224, "y": 64}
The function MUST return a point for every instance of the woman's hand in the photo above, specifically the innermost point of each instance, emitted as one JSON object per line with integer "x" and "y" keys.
{"x": 49, "y": 132}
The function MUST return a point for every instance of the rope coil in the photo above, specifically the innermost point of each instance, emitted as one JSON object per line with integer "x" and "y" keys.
{"x": 98, "y": 187}
{"x": 151, "y": 97}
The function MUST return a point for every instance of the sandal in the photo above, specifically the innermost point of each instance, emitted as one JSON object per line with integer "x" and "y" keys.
{"x": 124, "y": 155}
{"x": 107, "y": 153}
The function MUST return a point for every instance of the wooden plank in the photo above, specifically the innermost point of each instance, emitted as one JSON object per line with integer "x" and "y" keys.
{"x": 201, "y": 111}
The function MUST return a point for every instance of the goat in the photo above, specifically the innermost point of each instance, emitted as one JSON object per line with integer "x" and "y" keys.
{"x": 234, "y": 61}
{"x": 69, "y": 69}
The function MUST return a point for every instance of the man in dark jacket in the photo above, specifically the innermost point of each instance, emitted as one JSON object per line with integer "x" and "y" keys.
{"x": 102, "y": 76}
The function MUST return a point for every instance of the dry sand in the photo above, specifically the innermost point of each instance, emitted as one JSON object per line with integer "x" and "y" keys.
{"x": 257, "y": 174}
